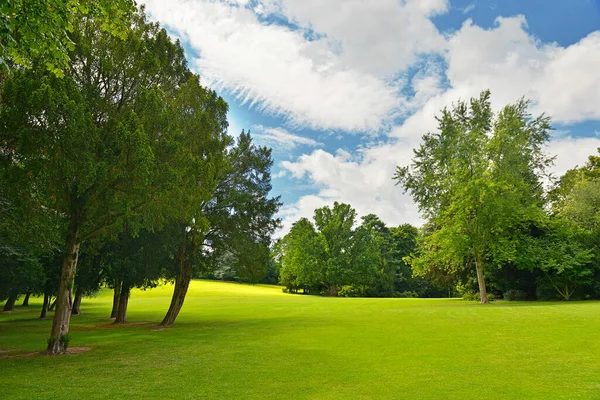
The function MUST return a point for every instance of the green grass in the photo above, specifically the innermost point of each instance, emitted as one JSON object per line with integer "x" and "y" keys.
{"x": 235, "y": 341}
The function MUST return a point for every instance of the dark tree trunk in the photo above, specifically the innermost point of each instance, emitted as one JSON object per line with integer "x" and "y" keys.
{"x": 481, "y": 281}
{"x": 59, "y": 339}
{"x": 26, "y": 300}
{"x": 116, "y": 296}
{"x": 182, "y": 283}
{"x": 76, "y": 310}
{"x": 121, "y": 316}
{"x": 332, "y": 291}
{"x": 10, "y": 302}
{"x": 44, "y": 312}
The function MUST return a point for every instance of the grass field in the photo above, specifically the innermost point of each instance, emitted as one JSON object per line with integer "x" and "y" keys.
{"x": 235, "y": 341}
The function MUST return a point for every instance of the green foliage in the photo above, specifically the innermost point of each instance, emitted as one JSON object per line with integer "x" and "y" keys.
{"x": 41, "y": 29}
{"x": 331, "y": 256}
{"x": 475, "y": 180}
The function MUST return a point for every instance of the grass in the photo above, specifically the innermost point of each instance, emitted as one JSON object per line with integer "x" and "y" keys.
{"x": 235, "y": 341}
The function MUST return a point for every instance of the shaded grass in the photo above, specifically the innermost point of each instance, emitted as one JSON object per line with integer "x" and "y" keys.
{"x": 235, "y": 341}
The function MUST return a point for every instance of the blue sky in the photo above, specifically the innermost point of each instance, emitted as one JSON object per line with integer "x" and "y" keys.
{"x": 343, "y": 89}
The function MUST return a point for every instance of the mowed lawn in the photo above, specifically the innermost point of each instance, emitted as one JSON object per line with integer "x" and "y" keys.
{"x": 235, "y": 341}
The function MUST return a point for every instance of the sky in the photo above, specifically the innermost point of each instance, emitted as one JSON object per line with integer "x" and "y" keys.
{"x": 343, "y": 90}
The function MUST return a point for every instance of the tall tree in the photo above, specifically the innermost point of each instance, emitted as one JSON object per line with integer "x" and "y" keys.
{"x": 235, "y": 221}
{"x": 98, "y": 143}
{"x": 477, "y": 178}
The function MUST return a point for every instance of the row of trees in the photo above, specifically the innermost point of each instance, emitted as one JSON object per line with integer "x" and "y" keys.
{"x": 119, "y": 170}
{"x": 481, "y": 184}
{"x": 335, "y": 256}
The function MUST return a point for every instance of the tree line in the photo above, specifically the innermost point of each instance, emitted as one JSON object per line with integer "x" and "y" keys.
{"x": 119, "y": 171}
{"x": 497, "y": 224}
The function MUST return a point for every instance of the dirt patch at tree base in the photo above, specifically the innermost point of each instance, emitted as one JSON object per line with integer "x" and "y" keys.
{"x": 70, "y": 351}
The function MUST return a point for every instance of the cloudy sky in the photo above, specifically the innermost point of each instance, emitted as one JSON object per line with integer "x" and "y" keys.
{"x": 343, "y": 90}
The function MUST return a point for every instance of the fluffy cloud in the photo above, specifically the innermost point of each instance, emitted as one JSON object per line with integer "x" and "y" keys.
{"x": 277, "y": 69}
{"x": 366, "y": 183}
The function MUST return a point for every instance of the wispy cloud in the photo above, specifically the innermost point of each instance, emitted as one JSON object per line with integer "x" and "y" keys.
{"x": 468, "y": 8}
{"x": 281, "y": 139}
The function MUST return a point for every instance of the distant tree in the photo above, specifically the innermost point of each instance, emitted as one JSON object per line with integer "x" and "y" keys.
{"x": 476, "y": 179}
{"x": 333, "y": 255}
{"x": 303, "y": 253}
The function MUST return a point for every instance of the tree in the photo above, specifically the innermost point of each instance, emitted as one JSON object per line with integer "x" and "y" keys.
{"x": 303, "y": 253}
{"x": 333, "y": 255}
{"x": 40, "y": 29}
{"x": 95, "y": 143}
{"x": 233, "y": 222}
{"x": 476, "y": 179}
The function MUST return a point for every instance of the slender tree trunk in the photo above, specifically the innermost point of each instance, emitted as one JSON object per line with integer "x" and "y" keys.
{"x": 52, "y": 303}
{"x": 26, "y": 300}
{"x": 44, "y": 312}
{"x": 332, "y": 291}
{"x": 116, "y": 296}
{"x": 58, "y": 341}
{"x": 76, "y": 310}
{"x": 182, "y": 283}
{"x": 10, "y": 302}
{"x": 481, "y": 281}
{"x": 121, "y": 316}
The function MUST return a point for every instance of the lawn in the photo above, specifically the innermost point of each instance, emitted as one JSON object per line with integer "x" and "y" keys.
{"x": 235, "y": 341}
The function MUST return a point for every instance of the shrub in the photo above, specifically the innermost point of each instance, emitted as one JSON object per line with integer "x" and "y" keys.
{"x": 470, "y": 296}
{"x": 351, "y": 291}
{"x": 408, "y": 294}
{"x": 515, "y": 295}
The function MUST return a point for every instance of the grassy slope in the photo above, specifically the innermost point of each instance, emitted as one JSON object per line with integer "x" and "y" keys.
{"x": 233, "y": 341}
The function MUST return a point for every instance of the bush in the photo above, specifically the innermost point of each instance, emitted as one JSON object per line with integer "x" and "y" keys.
{"x": 514, "y": 295}
{"x": 351, "y": 291}
{"x": 408, "y": 294}
{"x": 470, "y": 296}
{"x": 475, "y": 296}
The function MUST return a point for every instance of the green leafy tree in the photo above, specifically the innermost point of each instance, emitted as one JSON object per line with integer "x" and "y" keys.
{"x": 303, "y": 254}
{"x": 475, "y": 180}
{"x": 110, "y": 141}
{"x": 233, "y": 224}
{"x": 40, "y": 29}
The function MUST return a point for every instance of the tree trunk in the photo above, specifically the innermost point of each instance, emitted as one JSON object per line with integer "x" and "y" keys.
{"x": 59, "y": 336}
{"x": 26, "y": 300}
{"x": 116, "y": 296}
{"x": 121, "y": 316}
{"x": 182, "y": 283}
{"x": 10, "y": 302}
{"x": 44, "y": 312}
{"x": 332, "y": 291}
{"x": 76, "y": 310}
{"x": 481, "y": 281}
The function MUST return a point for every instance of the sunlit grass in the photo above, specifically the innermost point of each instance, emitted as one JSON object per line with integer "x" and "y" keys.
{"x": 235, "y": 341}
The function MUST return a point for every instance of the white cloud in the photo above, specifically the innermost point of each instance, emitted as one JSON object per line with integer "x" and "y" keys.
{"x": 378, "y": 37}
{"x": 280, "y": 138}
{"x": 563, "y": 82}
{"x": 366, "y": 184}
{"x": 571, "y": 152}
{"x": 276, "y": 69}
